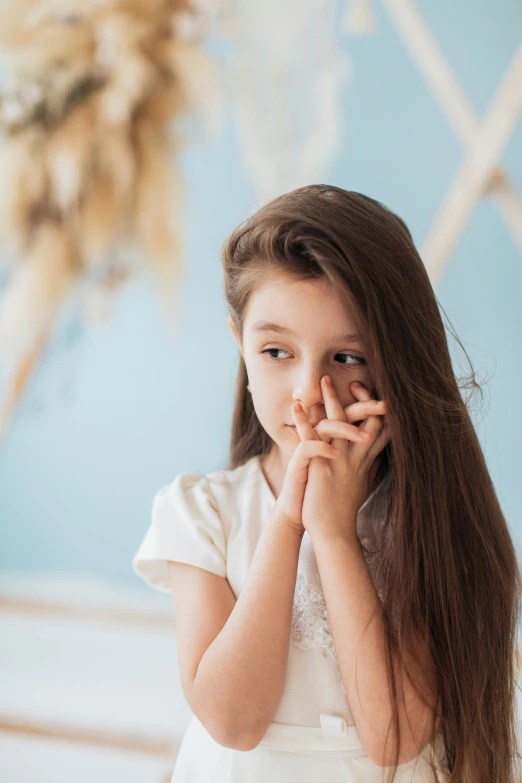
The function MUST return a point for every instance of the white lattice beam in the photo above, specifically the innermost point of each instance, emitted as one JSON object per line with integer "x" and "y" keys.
{"x": 481, "y": 171}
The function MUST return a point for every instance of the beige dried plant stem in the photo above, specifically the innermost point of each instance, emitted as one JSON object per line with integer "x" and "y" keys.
{"x": 18, "y": 382}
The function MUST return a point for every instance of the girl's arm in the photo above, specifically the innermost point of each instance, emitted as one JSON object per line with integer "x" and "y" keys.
{"x": 356, "y": 619}
{"x": 233, "y": 654}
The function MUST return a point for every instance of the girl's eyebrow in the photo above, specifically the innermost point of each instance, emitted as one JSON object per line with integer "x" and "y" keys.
{"x": 267, "y": 326}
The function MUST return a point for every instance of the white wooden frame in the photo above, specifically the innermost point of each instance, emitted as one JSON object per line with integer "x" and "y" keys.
{"x": 481, "y": 170}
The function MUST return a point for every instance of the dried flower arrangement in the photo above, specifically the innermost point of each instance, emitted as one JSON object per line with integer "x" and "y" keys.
{"x": 91, "y": 93}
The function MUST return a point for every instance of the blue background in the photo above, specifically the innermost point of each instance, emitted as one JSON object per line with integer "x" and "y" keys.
{"x": 113, "y": 413}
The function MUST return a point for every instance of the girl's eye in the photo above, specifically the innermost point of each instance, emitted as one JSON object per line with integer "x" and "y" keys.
{"x": 269, "y": 354}
{"x": 358, "y": 359}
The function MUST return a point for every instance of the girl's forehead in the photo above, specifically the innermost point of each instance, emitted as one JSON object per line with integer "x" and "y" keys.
{"x": 308, "y": 317}
{"x": 298, "y": 308}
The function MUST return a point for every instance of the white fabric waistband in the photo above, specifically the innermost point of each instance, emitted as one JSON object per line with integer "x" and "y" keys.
{"x": 333, "y": 735}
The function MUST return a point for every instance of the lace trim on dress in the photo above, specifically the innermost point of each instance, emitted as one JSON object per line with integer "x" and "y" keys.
{"x": 310, "y": 623}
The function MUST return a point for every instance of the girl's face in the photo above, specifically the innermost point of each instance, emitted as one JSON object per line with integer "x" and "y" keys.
{"x": 314, "y": 337}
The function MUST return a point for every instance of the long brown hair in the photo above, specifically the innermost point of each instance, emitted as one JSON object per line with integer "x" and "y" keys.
{"x": 446, "y": 556}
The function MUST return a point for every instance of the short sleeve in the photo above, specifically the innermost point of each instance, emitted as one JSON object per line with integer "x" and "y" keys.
{"x": 185, "y": 527}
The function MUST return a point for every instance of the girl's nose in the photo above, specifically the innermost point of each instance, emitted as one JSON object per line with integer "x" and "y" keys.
{"x": 311, "y": 398}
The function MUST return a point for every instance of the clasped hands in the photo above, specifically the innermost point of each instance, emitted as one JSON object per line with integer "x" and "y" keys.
{"x": 337, "y": 487}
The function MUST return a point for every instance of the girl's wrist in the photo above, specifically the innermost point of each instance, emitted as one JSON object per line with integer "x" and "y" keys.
{"x": 345, "y": 535}
{"x": 280, "y": 519}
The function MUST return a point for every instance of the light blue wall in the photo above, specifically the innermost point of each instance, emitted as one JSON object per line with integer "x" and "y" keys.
{"x": 107, "y": 422}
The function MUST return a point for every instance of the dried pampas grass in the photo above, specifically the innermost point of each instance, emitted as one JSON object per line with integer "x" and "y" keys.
{"x": 88, "y": 147}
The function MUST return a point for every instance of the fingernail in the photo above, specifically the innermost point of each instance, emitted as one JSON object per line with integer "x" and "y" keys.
{"x": 357, "y": 384}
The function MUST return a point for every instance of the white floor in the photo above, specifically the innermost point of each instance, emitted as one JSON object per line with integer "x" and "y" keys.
{"x": 38, "y": 761}
{"x": 110, "y": 682}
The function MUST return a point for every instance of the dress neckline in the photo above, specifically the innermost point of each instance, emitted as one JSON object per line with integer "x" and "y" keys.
{"x": 264, "y": 480}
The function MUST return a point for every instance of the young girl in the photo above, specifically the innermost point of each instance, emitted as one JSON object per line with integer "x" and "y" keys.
{"x": 346, "y": 591}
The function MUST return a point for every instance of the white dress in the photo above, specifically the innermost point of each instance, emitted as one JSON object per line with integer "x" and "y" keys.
{"x": 214, "y": 521}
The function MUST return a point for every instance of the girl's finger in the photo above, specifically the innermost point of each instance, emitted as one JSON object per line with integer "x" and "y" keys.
{"x": 327, "y": 428}
{"x": 334, "y": 409}
{"x": 306, "y": 450}
{"x": 382, "y": 439}
{"x": 316, "y": 448}
{"x": 303, "y": 426}
{"x": 372, "y": 424}
{"x": 332, "y": 403}
{"x": 358, "y": 411}
{"x": 300, "y": 460}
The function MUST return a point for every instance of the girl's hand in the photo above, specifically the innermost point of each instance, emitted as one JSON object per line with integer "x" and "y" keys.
{"x": 290, "y": 500}
{"x": 336, "y": 489}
